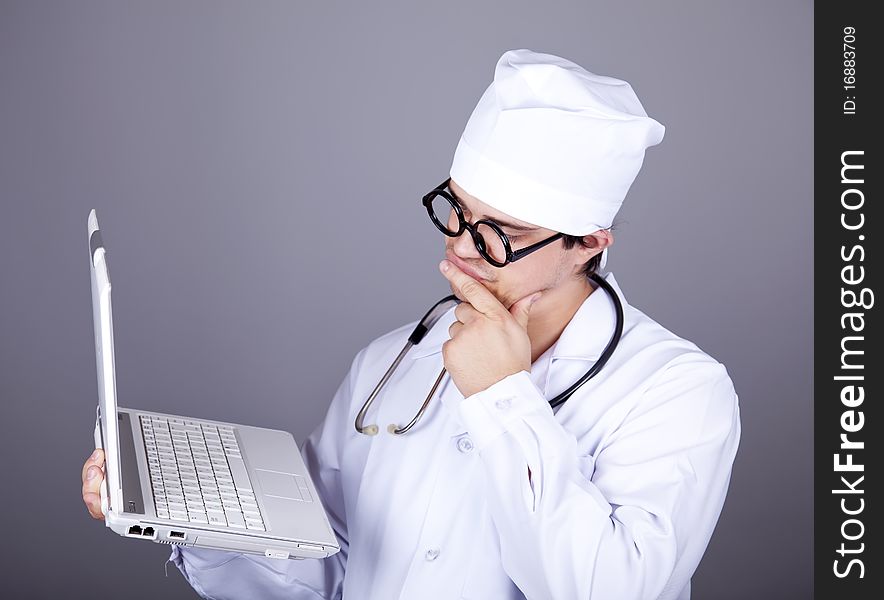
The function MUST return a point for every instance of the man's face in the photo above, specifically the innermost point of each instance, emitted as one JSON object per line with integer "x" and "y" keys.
{"x": 543, "y": 270}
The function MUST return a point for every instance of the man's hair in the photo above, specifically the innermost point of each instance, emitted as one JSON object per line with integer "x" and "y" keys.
{"x": 592, "y": 265}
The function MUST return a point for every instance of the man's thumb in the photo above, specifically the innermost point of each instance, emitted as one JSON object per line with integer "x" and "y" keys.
{"x": 522, "y": 309}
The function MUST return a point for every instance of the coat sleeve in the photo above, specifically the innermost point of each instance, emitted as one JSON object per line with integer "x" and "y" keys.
{"x": 630, "y": 521}
{"x": 221, "y": 575}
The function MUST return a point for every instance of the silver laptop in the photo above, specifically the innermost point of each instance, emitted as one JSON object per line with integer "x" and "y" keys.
{"x": 193, "y": 482}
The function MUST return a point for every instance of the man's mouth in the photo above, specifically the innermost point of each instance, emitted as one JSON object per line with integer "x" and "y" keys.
{"x": 465, "y": 267}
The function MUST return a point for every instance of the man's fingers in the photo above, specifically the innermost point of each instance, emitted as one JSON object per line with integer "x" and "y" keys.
{"x": 92, "y": 480}
{"x": 454, "y": 328}
{"x": 93, "y": 505}
{"x": 465, "y": 312}
{"x": 93, "y": 475}
{"x": 97, "y": 459}
{"x": 522, "y": 309}
{"x": 474, "y": 292}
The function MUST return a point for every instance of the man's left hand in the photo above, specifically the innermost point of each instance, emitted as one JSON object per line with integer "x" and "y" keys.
{"x": 488, "y": 342}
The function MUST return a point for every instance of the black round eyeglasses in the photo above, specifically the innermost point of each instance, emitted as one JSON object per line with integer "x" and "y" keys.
{"x": 491, "y": 242}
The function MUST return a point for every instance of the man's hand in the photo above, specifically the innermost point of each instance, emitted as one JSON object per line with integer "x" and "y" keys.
{"x": 93, "y": 477}
{"x": 488, "y": 342}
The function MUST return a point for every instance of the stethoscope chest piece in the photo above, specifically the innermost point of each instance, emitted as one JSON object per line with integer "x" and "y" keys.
{"x": 424, "y": 325}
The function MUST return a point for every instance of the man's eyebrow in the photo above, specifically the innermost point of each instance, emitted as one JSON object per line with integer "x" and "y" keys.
{"x": 500, "y": 222}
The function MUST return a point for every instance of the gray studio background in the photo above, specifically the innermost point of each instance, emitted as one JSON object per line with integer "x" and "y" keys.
{"x": 257, "y": 169}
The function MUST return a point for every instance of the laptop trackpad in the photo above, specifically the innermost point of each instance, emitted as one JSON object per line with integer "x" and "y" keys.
{"x": 281, "y": 485}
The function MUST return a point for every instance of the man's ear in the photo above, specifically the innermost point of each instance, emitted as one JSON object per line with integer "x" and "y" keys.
{"x": 594, "y": 243}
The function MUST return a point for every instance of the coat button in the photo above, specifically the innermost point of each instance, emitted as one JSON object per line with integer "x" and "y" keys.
{"x": 503, "y": 403}
{"x": 432, "y": 554}
{"x": 465, "y": 444}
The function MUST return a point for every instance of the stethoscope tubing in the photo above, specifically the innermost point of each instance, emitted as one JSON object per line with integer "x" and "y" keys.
{"x": 432, "y": 316}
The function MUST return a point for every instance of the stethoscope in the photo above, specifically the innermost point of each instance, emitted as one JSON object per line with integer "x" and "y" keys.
{"x": 433, "y": 315}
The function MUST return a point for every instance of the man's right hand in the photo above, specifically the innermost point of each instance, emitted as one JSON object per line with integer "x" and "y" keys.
{"x": 93, "y": 478}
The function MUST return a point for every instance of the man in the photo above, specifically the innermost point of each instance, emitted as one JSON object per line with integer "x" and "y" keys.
{"x": 495, "y": 494}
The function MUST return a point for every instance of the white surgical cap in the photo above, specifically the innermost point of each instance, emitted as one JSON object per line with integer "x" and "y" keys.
{"x": 554, "y": 145}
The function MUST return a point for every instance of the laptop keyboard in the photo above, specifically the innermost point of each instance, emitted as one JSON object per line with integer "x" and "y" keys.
{"x": 198, "y": 475}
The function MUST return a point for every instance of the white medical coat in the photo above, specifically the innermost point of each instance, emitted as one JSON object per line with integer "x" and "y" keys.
{"x": 612, "y": 496}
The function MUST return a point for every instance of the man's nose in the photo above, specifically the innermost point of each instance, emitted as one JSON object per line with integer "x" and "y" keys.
{"x": 464, "y": 246}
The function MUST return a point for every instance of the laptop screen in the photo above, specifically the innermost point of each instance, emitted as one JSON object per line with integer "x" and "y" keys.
{"x": 104, "y": 358}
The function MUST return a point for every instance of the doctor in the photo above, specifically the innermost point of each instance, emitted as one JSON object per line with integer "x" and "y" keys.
{"x": 493, "y": 494}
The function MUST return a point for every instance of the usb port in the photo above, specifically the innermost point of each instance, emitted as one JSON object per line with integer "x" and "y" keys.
{"x": 179, "y": 535}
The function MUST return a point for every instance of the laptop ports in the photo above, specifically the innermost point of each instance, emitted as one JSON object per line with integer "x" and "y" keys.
{"x": 139, "y": 531}
{"x": 176, "y": 535}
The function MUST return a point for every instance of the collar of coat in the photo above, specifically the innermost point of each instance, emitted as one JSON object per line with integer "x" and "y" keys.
{"x": 584, "y": 338}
